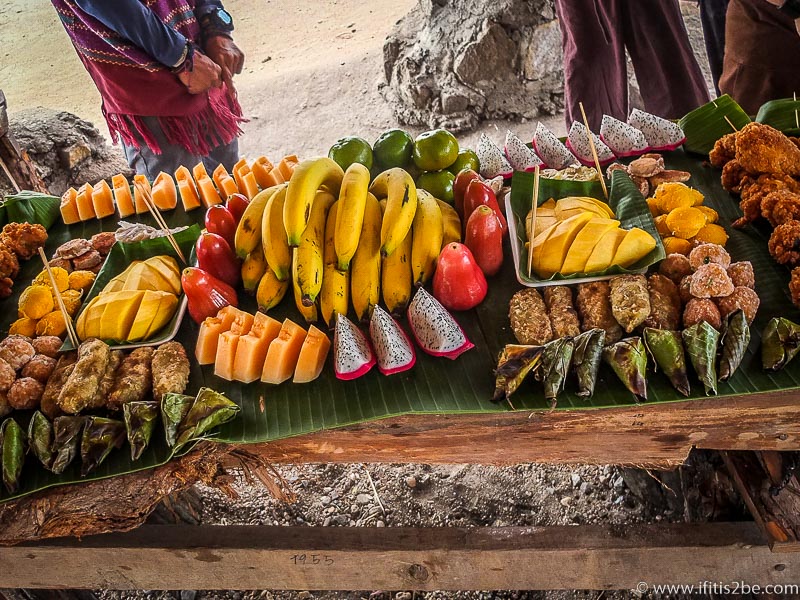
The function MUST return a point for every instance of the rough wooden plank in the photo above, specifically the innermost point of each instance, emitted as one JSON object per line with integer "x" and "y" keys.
{"x": 587, "y": 557}
{"x": 658, "y": 436}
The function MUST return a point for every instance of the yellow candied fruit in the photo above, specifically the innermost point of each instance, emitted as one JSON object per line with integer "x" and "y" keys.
{"x": 23, "y": 326}
{"x": 711, "y": 215}
{"x": 712, "y": 234}
{"x": 36, "y": 301}
{"x": 685, "y": 222}
{"x": 52, "y": 324}
{"x": 59, "y": 274}
{"x": 72, "y": 301}
{"x": 672, "y": 195}
{"x": 81, "y": 280}
{"x": 661, "y": 226}
{"x": 673, "y": 245}
{"x": 653, "y": 205}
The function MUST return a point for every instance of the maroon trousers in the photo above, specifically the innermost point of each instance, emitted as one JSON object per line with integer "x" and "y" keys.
{"x": 595, "y": 34}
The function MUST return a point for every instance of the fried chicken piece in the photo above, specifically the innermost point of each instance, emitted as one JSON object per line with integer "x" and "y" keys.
{"x": 787, "y": 208}
{"x": 784, "y": 244}
{"x": 794, "y": 286}
{"x": 733, "y": 175}
{"x": 724, "y": 150}
{"x": 9, "y": 264}
{"x": 771, "y": 200}
{"x": 763, "y": 149}
{"x": 25, "y": 239}
{"x": 6, "y": 285}
{"x": 170, "y": 370}
{"x": 755, "y": 191}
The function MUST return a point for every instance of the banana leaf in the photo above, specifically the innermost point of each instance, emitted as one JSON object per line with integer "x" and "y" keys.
{"x": 210, "y": 410}
{"x": 30, "y": 207}
{"x": 586, "y": 360}
{"x": 666, "y": 348}
{"x": 174, "y": 408}
{"x": 782, "y": 114}
{"x": 100, "y": 437}
{"x": 513, "y": 366}
{"x": 40, "y": 439}
{"x": 140, "y": 421}
{"x": 702, "y": 342}
{"x": 554, "y": 367}
{"x": 780, "y": 343}
{"x": 12, "y": 453}
{"x": 706, "y": 124}
{"x": 628, "y": 359}
{"x": 66, "y": 441}
{"x": 735, "y": 339}
{"x": 624, "y": 198}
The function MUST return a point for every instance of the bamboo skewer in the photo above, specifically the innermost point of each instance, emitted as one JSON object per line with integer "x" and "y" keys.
{"x": 796, "y": 117}
{"x": 730, "y": 123}
{"x": 594, "y": 151}
{"x": 148, "y": 200}
{"x": 532, "y": 226}
{"x": 73, "y": 337}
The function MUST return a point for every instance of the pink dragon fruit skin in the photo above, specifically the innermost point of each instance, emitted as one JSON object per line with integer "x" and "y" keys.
{"x": 434, "y": 328}
{"x": 661, "y": 134}
{"x": 553, "y": 153}
{"x": 519, "y": 155}
{"x": 623, "y": 139}
{"x": 578, "y": 143}
{"x": 394, "y": 351}
{"x": 491, "y": 159}
{"x": 352, "y": 356}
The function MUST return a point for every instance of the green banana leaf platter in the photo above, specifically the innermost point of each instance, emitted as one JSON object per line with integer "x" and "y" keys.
{"x": 434, "y": 385}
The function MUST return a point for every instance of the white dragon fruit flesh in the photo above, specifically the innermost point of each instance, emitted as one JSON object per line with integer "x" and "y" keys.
{"x": 553, "y": 153}
{"x": 435, "y": 329}
{"x": 352, "y": 356}
{"x": 660, "y": 134}
{"x": 392, "y": 346}
{"x": 623, "y": 139}
{"x": 491, "y": 159}
{"x": 519, "y": 155}
{"x": 578, "y": 143}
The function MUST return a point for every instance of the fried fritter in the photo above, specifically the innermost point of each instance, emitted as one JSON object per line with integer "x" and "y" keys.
{"x": 724, "y": 150}
{"x": 7, "y": 375}
{"x": 9, "y": 263}
{"x": 17, "y": 350}
{"x": 733, "y": 176}
{"x": 630, "y": 300}
{"x": 81, "y": 386}
{"x": 794, "y": 286}
{"x": 665, "y": 303}
{"x": 675, "y": 266}
{"x": 742, "y": 298}
{"x": 107, "y": 380}
{"x": 40, "y": 367}
{"x": 64, "y": 368}
{"x": 563, "y": 316}
{"x": 170, "y": 370}
{"x": 47, "y": 345}
{"x": 761, "y": 148}
{"x": 23, "y": 239}
{"x": 594, "y": 308}
{"x": 787, "y": 208}
{"x": 754, "y": 192}
{"x": 784, "y": 244}
{"x": 134, "y": 379}
{"x": 529, "y": 320}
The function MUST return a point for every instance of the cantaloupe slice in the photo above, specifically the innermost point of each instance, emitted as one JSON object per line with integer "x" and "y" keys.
{"x": 242, "y": 162}
{"x": 283, "y": 353}
{"x": 287, "y": 165}
{"x": 252, "y": 349}
{"x": 276, "y": 175}
{"x": 138, "y": 198}
{"x": 208, "y": 193}
{"x": 312, "y": 356}
{"x": 208, "y": 337}
{"x": 187, "y": 189}
{"x": 199, "y": 171}
{"x": 240, "y": 169}
{"x": 165, "y": 196}
{"x": 122, "y": 195}
{"x": 102, "y": 200}
{"x": 69, "y": 207}
{"x": 228, "y": 186}
{"x": 249, "y": 185}
{"x": 261, "y": 169}
{"x": 84, "y": 203}
{"x": 228, "y": 343}
{"x": 217, "y": 176}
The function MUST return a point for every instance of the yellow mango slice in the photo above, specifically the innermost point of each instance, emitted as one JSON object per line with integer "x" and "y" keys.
{"x": 554, "y": 250}
{"x": 603, "y": 254}
{"x": 581, "y": 249}
{"x": 634, "y": 246}
{"x": 164, "y": 313}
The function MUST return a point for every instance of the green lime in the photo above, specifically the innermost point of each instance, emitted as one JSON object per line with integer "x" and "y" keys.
{"x": 438, "y": 183}
{"x": 467, "y": 159}
{"x": 435, "y": 150}
{"x": 393, "y": 148}
{"x": 349, "y": 150}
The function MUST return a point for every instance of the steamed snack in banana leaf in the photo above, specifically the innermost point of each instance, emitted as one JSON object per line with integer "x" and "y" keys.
{"x": 701, "y": 342}
{"x": 210, "y": 409}
{"x": 628, "y": 359}
{"x": 594, "y": 308}
{"x": 513, "y": 365}
{"x": 630, "y": 300}
{"x": 40, "y": 439}
{"x": 66, "y": 442}
{"x": 666, "y": 348}
{"x": 563, "y": 316}
{"x": 174, "y": 408}
{"x": 140, "y": 421}
{"x": 735, "y": 340}
{"x": 779, "y": 343}
{"x": 554, "y": 367}
{"x": 586, "y": 359}
{"x": 100, "y": 437}
{"x": 81, "y": 385}
{"x": 12, "y": 453}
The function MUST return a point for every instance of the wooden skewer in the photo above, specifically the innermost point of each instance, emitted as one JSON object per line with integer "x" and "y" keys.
{"x": 796, "y": 117}
{"x": 594, "y": 151}
{"x": 73, "y": 337}
{"x": 730, "y": 123}
{"x": 148, "y": 200}
{"x": 532, "y": 226}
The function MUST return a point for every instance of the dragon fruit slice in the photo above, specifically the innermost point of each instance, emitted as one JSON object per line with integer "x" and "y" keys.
{"x": 553, "y": 153}
{"x": 394, "y": 349}
{"x": 578, "y": 143}
{"x": 435, "y": 329}
{"x": 492, "y": 160}
{"x": 519, "y": 155}
{"x": 352, "y": 356}
{"x": 623, "y": 139}
{"x": 660, "y": 134}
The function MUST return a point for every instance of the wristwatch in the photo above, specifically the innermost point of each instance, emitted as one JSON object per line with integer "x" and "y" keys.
{"x": 186, "y": 62}
{"x": 217, "y": 22}
{"x": 791, "y": 8}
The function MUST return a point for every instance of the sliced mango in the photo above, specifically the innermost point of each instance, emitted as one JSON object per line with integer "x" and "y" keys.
{"x": 581, "y": 249}
{"x": 634, "y": 246}
{"x": 605, "y": 249}
{"x": 558, "y": 243}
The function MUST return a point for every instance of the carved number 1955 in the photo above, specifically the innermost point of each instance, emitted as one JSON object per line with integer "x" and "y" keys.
{"x": 312, "y": 559}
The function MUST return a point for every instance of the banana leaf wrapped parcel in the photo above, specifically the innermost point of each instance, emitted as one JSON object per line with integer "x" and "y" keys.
{"x": 140, "y": 421}
{"x": 41, "y": 438}
{"x": 735, "y": 340}
{"x": 701, "y": 342}
{"x": 586, "y": 359}
{"x": 12, "y": 453}
{"x": 666, "y": 348}
{"x": 628, "y": 359}
{"x": 210, "y": 409}
{"x": 780, "y": 343}
{"x": 174, "y": 408}
{"x": 100, "y": 437}
{"x": 513, "y": 365}
{"x": 66, "y": 441}
{"x": 554, "y": 367}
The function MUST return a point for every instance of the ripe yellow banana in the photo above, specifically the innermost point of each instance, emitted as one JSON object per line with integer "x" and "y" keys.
{"x": 270, "y": 291}
{"x": 308, "y": 258}
{"x": 397, "y": 186}
{"x": 451, "y": 223}
{"x": 396, "y": 277}
{"x": 309, "y": 312}
{"x": 273, "y": 236}
{"x": 365, "y": 268}
{"x": 427, "y": 241}
{"x": 352, "y": 198}
{"x": 335, "y": 293}
{"x": 248, "y": 232}
{"x": 253, "y": 269}
{"x": 307, "y": 178}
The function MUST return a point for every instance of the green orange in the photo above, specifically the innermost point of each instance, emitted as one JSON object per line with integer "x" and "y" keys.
{"x": 349, "y": 150}
{"x": 466, "y": 159}
{"x": 438, "y": 183}
{"x": 435, "y": 150}
{"x": 393, "y": 148}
